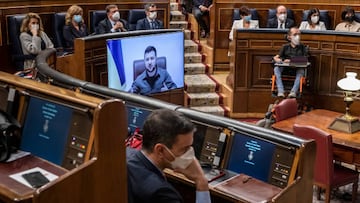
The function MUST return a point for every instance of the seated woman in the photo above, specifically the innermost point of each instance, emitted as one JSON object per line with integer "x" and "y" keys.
{"x": 33, "y": 39}
{"x": 313, "y": 21}
{"x": 74, "y": 26}
{"x": 348, "y": 24}
{"x": 244, "y": 22}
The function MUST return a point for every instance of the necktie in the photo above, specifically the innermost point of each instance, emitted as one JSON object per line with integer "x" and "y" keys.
{"x": 281, "y": 25}
{"x": 152, "y": 25}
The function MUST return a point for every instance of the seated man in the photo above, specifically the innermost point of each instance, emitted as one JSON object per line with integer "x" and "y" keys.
{"x": 294, "y": 48}
{"x": 202, "y": 8}
{"x": 244, "y": 22}
{"x": 113, "y": 22}
{"x": 348, "y": 24}
{"x": 281, "y": 21}
{"x": 150, "y": 22}
{"x": 167, "y": 143}
{"x": 154, "y": 78}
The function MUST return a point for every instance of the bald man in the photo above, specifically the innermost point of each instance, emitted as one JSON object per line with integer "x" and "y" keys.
{"x": 281, "y": 21}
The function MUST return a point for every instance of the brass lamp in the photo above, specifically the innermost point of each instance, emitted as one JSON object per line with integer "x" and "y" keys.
{"x": 348, "y": 123}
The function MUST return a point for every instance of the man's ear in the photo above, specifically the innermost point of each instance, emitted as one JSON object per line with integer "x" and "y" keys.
{"x": 159, "y": 149}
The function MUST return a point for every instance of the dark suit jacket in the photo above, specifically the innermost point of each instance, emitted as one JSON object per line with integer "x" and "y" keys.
{"x": 70, "y": 33}
{"x": 273, "y": 23}
{"x": 146, "y": 183}
{"x": 105, "y": 26}
{"x": 198, "y": 3}
{"x": 143, "y": 24}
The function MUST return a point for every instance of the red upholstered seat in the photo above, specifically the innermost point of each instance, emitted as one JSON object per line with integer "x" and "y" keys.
{"x": 327, "y": 175}
{"x": 285, "y": 109}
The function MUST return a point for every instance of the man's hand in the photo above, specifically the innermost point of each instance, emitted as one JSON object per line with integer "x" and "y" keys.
{"x": 195, "y": 173}
{"x": 118, "y": 25}
{"x": 203, "y": 8}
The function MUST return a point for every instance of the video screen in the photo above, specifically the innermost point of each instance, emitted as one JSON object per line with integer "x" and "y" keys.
{"x": 146, "y": 64}
{"x": 251, "y": 156}
{"x": 45, "y": 129}
{"x": 136, "y": 117}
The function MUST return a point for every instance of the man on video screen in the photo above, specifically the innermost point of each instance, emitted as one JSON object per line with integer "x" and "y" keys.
{"x": 154, "y": 79}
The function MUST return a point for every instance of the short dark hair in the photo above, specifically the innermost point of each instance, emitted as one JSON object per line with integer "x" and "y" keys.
{"x": 346, "y": 10}
{"x": 148, "y": 6}
{"x": 150, "y": 49}
{"x": 312, "y": 11}
{"x": 244, "y": 11}
{"x": 163, "y": 126}
{"x": 108, "y": 7}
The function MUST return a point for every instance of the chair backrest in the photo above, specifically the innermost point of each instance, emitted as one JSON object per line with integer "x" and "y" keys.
{"x": 272, "y": 13}
{"x": 253, "y": 11}
{"x": 95, "y": 18}
{"x": 287, "y": 108}
{"x": 14, "y": 24}
{"x": 324, "y": 166}
{"x": 134, "y": 16}
{"x": 139, "y": 65}
{"x": 324, "y": 17}
{"x": 59, "y": 22}
{"x": 357, "y": 17}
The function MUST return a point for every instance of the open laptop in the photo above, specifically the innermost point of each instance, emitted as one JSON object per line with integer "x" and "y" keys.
{"x": 299, "y": 61}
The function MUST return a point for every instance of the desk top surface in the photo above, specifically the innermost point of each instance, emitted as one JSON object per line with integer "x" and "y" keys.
{"x": 321, "y": 119}
{"x": 10, "y": 188}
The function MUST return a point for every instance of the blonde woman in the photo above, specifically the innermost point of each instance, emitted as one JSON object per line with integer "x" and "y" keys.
{"x": 74, "y": 26}
{"x": 33, "y": 39}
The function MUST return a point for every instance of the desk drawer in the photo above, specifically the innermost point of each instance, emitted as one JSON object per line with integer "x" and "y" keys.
{"x": 344, "y": 155}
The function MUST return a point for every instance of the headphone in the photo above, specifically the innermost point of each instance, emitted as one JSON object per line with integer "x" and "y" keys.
{"x": 9, "y": 135}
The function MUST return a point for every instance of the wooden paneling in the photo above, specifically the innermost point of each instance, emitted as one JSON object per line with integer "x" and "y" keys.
{"x": 47, "y": 8}
{"x": 253, "y": 68}
{"x": 224, "y": 12}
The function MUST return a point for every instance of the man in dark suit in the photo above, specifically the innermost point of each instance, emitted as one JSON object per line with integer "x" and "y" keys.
{"x": 202, "y": 8}
{"x": 281, "y": 21}
{"x": 150, "y": 22}
{"x": 167, "y": 143}
{"x": 113, "y": 22}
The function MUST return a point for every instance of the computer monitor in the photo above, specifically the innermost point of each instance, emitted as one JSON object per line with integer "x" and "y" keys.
{"x": 251, "y": 156}
{"x": 136, "y": 117}
{"x": 126, "y": 66}
{"x": 56, "y": 131}
{"x": 263, "y": 159}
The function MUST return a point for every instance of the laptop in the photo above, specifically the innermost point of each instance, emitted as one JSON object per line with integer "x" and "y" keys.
{"x": 299, "y": 61}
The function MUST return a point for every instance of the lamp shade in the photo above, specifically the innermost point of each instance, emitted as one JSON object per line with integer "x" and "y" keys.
{"x": 350, "y": 83}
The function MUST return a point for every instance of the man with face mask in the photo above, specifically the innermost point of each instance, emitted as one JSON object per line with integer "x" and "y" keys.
{"x": 281, "y": 21}
{"x": 154, "y": 79}
{"x": 349, "y": 24}
{"x": 167, "y": 143}
{"x": 113, "y": 22}
{"x": 151, "y": 21}
{"x": 294, "y": 48}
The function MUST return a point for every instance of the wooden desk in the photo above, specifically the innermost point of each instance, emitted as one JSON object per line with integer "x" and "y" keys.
{"x": 10, "y": 189}
{"x": 346, "y": 146}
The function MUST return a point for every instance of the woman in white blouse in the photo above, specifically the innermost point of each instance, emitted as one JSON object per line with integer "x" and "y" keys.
{"x": 313, "y": 21}
{"x": 244, "y": 22}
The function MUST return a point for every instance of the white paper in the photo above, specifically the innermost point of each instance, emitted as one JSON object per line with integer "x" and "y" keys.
{"x": 18, "y": 176}
{"x": 19, "y": 154}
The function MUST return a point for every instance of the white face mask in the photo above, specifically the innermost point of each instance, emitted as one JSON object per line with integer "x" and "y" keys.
{"x": 116, "y": 16}
{"x": 282, "y": 17}
{"x": 295, "y": 39}
{"x": 35, "y": 26}
{"x": 314, "y": 19}
{"x": 184, "y": 160}
{"x": 153, "y": 15}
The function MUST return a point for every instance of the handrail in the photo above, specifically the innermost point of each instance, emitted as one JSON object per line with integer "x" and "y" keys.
{"x": 91, "y": 88}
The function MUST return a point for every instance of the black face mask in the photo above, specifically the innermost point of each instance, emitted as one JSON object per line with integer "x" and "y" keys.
{"x": 349, "y": 18}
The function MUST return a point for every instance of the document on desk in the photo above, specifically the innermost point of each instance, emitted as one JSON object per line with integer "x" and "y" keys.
{"x": 19, "y": 176}
{"x": 248, "y": 188}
